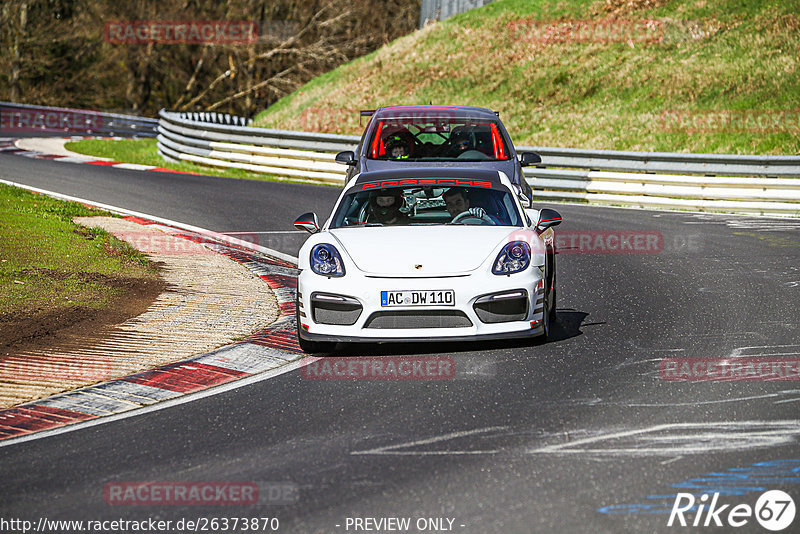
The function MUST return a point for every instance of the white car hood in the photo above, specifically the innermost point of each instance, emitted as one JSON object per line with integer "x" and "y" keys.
{"x": 422, "y": 251}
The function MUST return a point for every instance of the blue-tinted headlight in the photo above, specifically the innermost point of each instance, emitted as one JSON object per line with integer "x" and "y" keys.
{"x": 515, "y": 257}
{"x": 326, "y": 261}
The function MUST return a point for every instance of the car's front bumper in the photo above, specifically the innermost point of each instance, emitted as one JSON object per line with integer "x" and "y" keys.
{"x": 380, "y": 323}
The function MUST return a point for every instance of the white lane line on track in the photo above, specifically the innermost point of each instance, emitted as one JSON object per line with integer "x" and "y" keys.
{"x": 189, "y": 227}
{"x": 672, "y": 439}
{"x": 266, "y": 375}
{"x": 708, "y": 437}
{"x": 392, "y": 449}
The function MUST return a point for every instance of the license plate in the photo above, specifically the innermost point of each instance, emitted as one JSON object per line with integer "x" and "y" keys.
{"x": 437, "y": 297}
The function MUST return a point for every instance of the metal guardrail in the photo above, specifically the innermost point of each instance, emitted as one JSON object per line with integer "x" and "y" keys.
{"x": 761, "y": 185}
{"x": 216, "y": 118}
{"x": 668, "y": 162}
{"x": 299, "y": 155}
{"x": 257, "y": 136}
{"x": 753, "y": 196}
{"x": 23, "y": 118}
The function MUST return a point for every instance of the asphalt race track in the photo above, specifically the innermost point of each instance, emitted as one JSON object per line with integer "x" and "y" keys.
{"x": 581, "y": 434}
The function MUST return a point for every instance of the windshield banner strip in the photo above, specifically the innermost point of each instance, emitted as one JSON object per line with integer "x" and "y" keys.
{"x": 451, "y": 182}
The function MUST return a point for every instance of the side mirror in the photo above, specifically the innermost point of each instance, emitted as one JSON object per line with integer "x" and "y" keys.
{"x": 347, "y": 157}
{"x": 547, "y": 219}
{"x": 529, "y": 158}
{"x": 308, "y": 222}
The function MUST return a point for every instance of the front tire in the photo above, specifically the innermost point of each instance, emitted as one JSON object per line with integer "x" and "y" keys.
{"x": 549, "y": 311}
{"x": 544, "y": 337}
{"x": 552, "y": 315}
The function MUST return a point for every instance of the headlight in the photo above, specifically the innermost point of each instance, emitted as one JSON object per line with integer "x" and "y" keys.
{"x": 326, "y": 261}
{"x": 515, "y": 257}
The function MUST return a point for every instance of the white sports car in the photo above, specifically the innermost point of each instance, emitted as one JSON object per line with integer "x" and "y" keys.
{"x": 426, "y": 254}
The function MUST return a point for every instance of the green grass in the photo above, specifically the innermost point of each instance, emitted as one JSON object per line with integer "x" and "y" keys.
{"x": 49, "y": 263}
{"x": 710, "y": 56}
{"x": 145, "y": 152}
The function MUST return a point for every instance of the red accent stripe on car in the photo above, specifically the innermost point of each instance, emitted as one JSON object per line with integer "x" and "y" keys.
{"x": 497, "y": 141}
{"x": 377, "y": 140}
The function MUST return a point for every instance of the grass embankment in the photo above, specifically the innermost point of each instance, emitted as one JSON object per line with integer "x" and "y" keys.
{"x": 53, "y": 272}
{"x": 145, "y": 152}
{"x": 605, "y": 74}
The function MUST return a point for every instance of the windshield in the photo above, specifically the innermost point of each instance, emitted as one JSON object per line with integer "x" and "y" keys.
{"x": 421, "y": 205}
{"x": 437, "y": 139}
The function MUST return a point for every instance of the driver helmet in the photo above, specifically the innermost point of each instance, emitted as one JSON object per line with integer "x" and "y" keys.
{"x": 382, "y": 210}
{"x": 461, "y": 141}
{"x": 397, "y": 147}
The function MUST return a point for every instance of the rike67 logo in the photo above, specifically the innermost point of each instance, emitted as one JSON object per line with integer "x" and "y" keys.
{"x": 774, "y": 511}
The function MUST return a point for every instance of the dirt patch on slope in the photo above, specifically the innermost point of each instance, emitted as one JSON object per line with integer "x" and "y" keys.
{"x": 46, "y": 328}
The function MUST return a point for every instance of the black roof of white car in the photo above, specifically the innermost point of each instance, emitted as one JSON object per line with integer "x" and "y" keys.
{"x": 430, "y": 172}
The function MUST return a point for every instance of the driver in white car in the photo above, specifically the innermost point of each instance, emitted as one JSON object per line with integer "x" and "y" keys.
{"x": 456, "y": 202}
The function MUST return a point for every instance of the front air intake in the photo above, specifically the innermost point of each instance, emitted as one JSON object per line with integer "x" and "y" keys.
{"x": 502, "y": 307}
{"x": 388, "y": 320}
{"x": 335, "y": 309}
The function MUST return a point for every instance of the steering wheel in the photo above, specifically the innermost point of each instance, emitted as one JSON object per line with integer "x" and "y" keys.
{"x": 472, "y": 154}
{"x": 466, "y": 215}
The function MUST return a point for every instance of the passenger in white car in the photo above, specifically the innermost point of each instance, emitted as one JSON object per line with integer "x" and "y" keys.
{"x": 384, "y": 207}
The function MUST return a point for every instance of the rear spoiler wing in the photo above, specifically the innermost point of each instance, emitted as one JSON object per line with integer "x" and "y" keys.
{"x": 371, "y": 112}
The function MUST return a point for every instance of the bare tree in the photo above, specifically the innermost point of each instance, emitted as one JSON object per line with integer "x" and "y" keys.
{"x": 15, "y": 18}
{"x": 55, "y": 51}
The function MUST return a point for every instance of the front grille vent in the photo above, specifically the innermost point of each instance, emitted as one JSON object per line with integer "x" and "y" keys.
{"x": 388, "y": 320}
